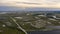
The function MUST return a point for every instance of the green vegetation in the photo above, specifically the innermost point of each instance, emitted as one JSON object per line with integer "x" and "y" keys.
{"x": 16, "y": 23}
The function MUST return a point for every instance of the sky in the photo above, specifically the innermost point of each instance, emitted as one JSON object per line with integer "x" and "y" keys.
{"x": 31, "y": 3}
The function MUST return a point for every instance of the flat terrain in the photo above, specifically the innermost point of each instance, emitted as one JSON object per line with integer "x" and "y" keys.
{"x": 29, "y": 21}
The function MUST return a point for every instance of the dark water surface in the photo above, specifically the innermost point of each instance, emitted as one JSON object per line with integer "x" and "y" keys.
{"x": 45, "y": 32}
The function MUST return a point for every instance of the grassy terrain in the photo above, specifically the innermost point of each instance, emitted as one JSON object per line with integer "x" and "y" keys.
{"x": 28, "y": 21}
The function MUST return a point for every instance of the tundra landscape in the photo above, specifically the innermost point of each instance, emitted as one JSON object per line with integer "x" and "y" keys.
{"x": 24, "y": 22}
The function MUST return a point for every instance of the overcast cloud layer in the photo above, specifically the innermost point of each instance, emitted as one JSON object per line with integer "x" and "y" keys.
{"x": 31, "y": 3}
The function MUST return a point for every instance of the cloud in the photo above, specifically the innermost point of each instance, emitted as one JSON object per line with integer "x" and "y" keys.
{"x": 31, "y": 3}
{"x": 58, "y": 1}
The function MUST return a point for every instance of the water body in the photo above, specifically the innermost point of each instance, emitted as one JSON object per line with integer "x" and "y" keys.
{"x": 54, "y": 27}
{"x": 45, "y": 32}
